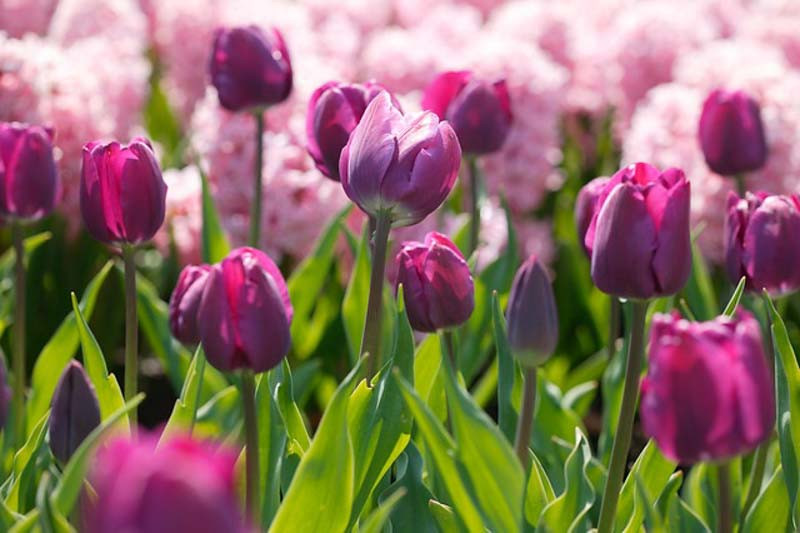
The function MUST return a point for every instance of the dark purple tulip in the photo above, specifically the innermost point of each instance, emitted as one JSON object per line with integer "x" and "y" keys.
{"x": 762, "y": 241}
{"x": 245, "y": 313}
{"x": 250, "y": 67}
{"x": 28, "y": 178}
{"x": 638, "y": 239}
{"x": 403, "y": 166}
{"x": 731, "y": 133}
{"x": 437, "y": 284}
{"x": 708, "y": 392}
{"x": 74, "y": 412}
{"x": 178, "y": 485}
{"x": 532, "y": 315}
{"x": 185, "y": 302}
{"x": 5, "y": 394}
{"x": 479, "y": 111}
{"x": 585, "y": 207}
{"x": 122, "y": 192}
{"x": 333, "y": 112}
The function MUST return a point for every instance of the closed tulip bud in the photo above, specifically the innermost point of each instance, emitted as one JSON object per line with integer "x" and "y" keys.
{"x": 731, "y": 133}
{"x": 478, "y": 110}
{"x": 585, "y": 206}
{"x": 250, "y": 67}
{"x": 708, "y": 392}
{"x": 437, "y": 284}
{"x": 5, "y": 393}
{"x": 532, "y": 315}
{"x": 333, "y": 112}
{"x": 146, "y": 486}
{"x": 122, "y": 192}
{"x": 74, "y": 412}
{"x": 638, "y": 239}
{"x": 29, "y": 182}
{"x": 401, "y": 166}
{"x": 761, "y": 241}
{"x": 185, "y": 302}
{"x": 245, "y": 313}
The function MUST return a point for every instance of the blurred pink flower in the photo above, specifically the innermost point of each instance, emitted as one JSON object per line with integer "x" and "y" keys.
{"x": 18, "y": 17}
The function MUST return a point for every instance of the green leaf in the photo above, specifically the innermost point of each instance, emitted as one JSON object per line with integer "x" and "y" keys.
{"x": 281, "y": 383}
{"x": 538, "y": 492}
{"x": 771, "y": 510}
{"x": 655, "y": 470}
{"x": 184, "y": 413}
{"x": 215, "y": 244}
{"x": 412, "y": 512}
{"x": 378, "y": 518}
{"x": 507, "y": 416}
{"x": 161, "y": 124}
{"x": 272, "y": 438}
{"x": 699, "y": 290}
{"x": 445, "y": 517}
{"x": 733, "y": 303}
{"x": 24, "y": 472}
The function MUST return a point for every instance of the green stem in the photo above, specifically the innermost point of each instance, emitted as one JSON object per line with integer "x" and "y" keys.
{"x": 258, "y": 185}
{"x": 371, "y": 340}
{"x": 525, "y": 422}
{"x": 741, "y": 187}
{"x": 622, "y": 436}
{"x": 131, "y": 328}
{"x": 474, "y": 209}
{"x": 613, "y": 326}
{"x": 451, "y": 348}
{"x": 724, "y": 522}
{"x": 756, "y": 476}
{"x": 251, "y": 445}
{"x": 18, "y": 362}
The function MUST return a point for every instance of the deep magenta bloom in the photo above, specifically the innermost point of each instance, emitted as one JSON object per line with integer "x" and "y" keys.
{"x": 478, "y": 110}
{"x": 638, "y": 239}
{"x": 250, "y": 67}
{"x": 29, "y": 182}
{"x": 181, "y": 485}
{"x": 585, "y": 207}
{"x": 437, "y": 284}
{"x": 74, "y": 412}
{"x": 245, "y": 313}
{"x": 123, "y": 195}
{"x": 185, "y": 303}
{"x": 400, "y": 165}
{"x": 762, "y": 241}
{"x": 708, "y": 392}
{"x": 532, "y": 314}
{"x": 731, "y": 133}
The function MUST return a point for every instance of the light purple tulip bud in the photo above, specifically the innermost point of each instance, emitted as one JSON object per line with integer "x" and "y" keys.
{"x": 638, "y": 239}
{"x": 74, "y": 412}
{"x": 5, "y": 393}
{"x": 250, "y": 67}
{"x": 29, "y": 182}
{"x": 245, "y": 313}
{"x": 185, "y": 302}
{"x": 403, "y": 166}
{"x": 437, "y": 284}
{"x": 708, "y": 392}
{"x": 731, "y": 133}
{"x": 532, "y": 315}
{"x": 585, "y": 206}
{"x": 479, "y": 111}
{"x": 123, "y": 196}
{"x": 762, "y": 243}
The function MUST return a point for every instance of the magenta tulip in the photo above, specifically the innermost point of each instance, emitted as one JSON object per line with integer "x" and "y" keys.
{"x": 29, "y": 182}
{"x": 250, "y": 67}
{"x": 400, "y": 166}
{"x": 185, "y": 302}
{"x": 708, "y": 392}
{"x": 245, "y": 313}
{"x": 437, "y": 284}
{"x": 585, "y": 207}
{"x": 532, "y": 315}
{"x": 638, "y": 239}
{"x": 74, "y": 412}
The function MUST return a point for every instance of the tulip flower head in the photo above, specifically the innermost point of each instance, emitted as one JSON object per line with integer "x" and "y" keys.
{"x": 585, "y": 207}
{"x": 479, "y": 111}
{"x": 638, "y": 239}
{"x": 123, "y": 195}
{"x": 29, "y": 182}
{"x": 437, "y": 284}
{"x": 74, "y": 412}
{"x": 400, "y": 166}
{"x": 185, "y": 302}
{"x": 532, "y": 315}
{"x": 708, "y": 393}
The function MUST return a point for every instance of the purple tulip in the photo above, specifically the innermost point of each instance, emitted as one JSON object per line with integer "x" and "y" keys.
{"x": 638, "y": 239}
{"x": 333, "y": 112}
{"x": 761, "y": 241}
{"x": 179, "y": 485}
{"x": 532, "y": 315}
{"x": 122, "y": 192}
{"x": 5, "y": 394}
{"x": 29, "y": 182}
{"x": 708, "y": 392}
{"x": 245, "y": 313}
{"x": 585, "y": 207}
{"x": 437, "y": 284}
{"x": 250, "y": 67}
{"x": 74, "y": 412}
{"x": 403, "y": 166}
{"x": 731, "y": 133}
{"x": 185, "y": 302}
{"x": 479, "y": 111}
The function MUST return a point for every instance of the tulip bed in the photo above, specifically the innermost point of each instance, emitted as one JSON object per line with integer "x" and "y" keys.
{"x": 391, "y": 378}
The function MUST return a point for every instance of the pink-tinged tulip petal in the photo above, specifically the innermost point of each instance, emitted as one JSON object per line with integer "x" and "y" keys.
{"x": 184, "y": 304}
{"x": 532, "y": 315}
{"x": 216, "y": 324}
{"x": 29, "y": 184}
{"x": 672, "y": 262}
{"x": 442, "y": 90}
{"x": 585, "y": 206}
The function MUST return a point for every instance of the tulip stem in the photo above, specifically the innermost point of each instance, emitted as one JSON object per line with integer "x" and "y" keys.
{"x": 475, "y": 213}
{"x": 613, "y": 326}
{"x": 451, "y": 348}
{"x": 131, "y": 328}
{"x": 724, "y": 523}
{"x": 251, "y": 445}
{"x": 371, "y": 340}
{"x": 525, "y": 421}
{"x": 756, "y": 475}
{"x": 258, "y": 185}
{"x": 19, "y": 335}
{"x": 622, "y": 436}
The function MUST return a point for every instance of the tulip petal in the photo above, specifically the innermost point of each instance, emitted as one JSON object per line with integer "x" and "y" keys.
{"x": 770, "y": 254}
{"x": 263, "y": 326}
{"x": 216, "y": 322}
{"x": 442, "y": 90}
{"x": 672, "y": 262}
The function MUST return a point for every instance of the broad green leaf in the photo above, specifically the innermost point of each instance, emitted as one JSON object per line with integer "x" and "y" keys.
{"x": 683, "y": 519}
{"x": 611, "y": 391}
{"x": 506, "y": 372}
{"x": 580, "y": 397}
{"x": 220, "y": 416}
{"x": 733, "y": 303}
{"x": 412, "y": 512}
{"x": 654, "y": 470}
{"x": 21, "y": 493}
{"x": 699, "y": 290}
{"x": 272, "y": 445}
{"x": 162, "y": 125}
{"x": 670, "y": 491}
{"x": 378, "y": 518}
{"x": 445, "y": 517}
{"x": 184, "y": 413}
{"x": 771, "y": 510}
{"x": 215, "y": 244}
{"x": 538, "y": 492}
{"x": 281, "y": 383}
